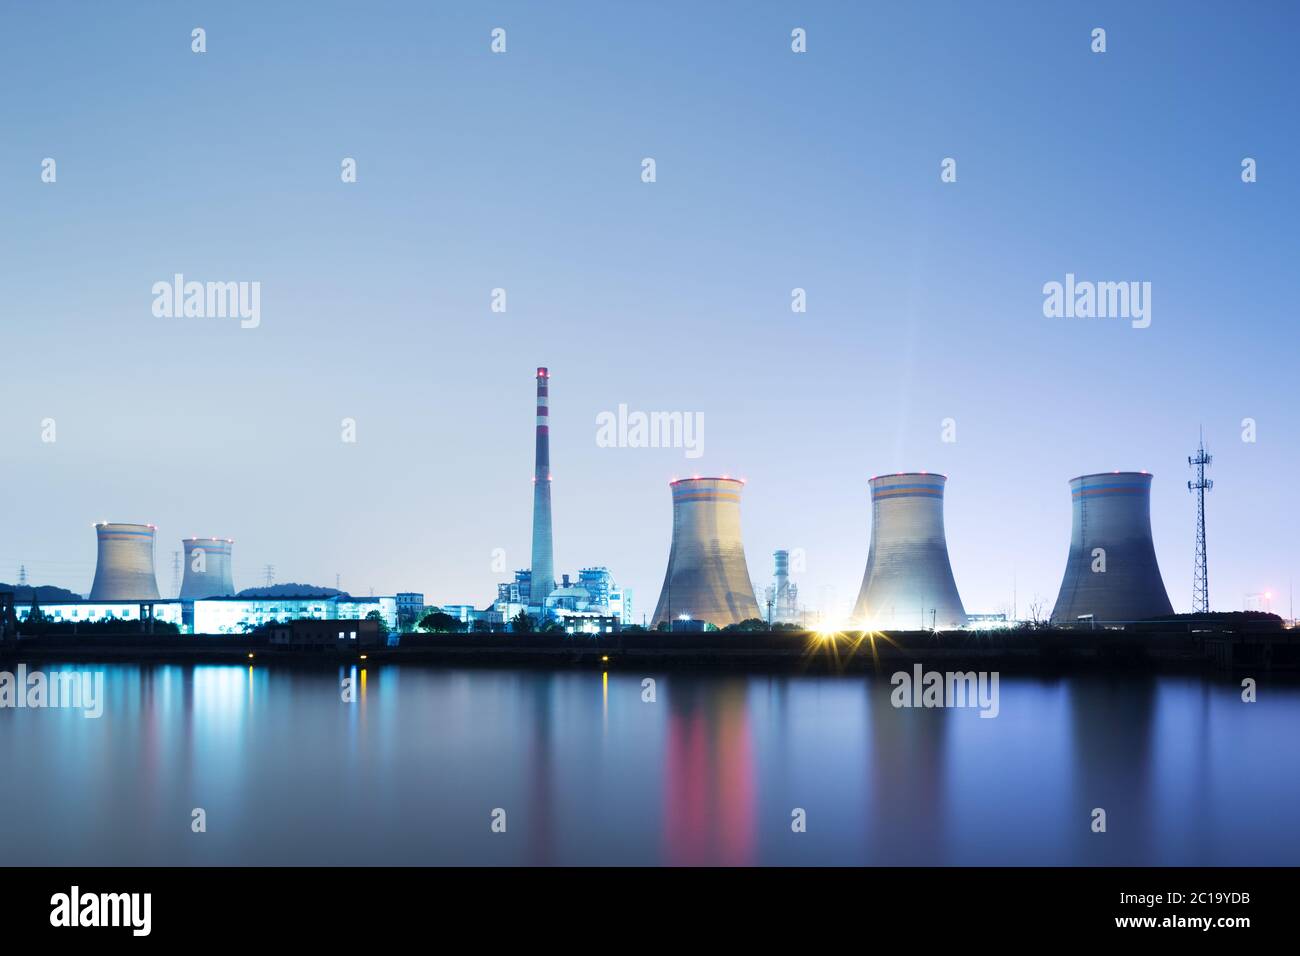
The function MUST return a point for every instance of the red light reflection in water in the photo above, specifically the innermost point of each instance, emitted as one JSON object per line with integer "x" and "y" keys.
{"x": 709, "y": 788}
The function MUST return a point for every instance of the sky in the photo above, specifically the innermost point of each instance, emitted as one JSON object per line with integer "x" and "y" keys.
{"x": 522, "y": 171}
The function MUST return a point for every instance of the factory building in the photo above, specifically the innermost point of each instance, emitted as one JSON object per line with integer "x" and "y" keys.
{"x": 87, "y": 612}
{"x": 534, "y": 590}
{"x": 207, "y": 568}
{"x": 707, "y": 578}
{"x": 595, "y": 593}
{"x": 225, "y": 615}
{"x": 782, "y": 595}
{"x": 124, "y": 564}
{"x": 1111, "y": 572}
{"x": 235, "y": 615}
{"x": 908, "y": 583}
{"x": 592, "y": 623}
{"x": 474, "y": 618}
{"x": 410, "y": 609}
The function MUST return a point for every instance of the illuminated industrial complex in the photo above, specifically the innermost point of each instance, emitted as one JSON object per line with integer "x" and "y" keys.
{"x": 1111, "y": 575}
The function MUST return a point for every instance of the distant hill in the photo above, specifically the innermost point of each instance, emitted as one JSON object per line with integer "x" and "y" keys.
{"x": 291, "y": 591}
{"x": 45, "y": 593}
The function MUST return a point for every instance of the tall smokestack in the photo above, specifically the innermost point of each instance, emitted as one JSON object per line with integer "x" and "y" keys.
{"x": 207, "y": 569}
{"x": 707, "y": 578}
{"x": 124, "y": 566}
{"x": 908, "y": 582}
{"x": 542, "y": 579}
{"x": 1111, "y": 573}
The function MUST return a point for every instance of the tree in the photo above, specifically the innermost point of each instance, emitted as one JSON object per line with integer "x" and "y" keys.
{"x": 439, "y": 621}
{"x": 521, "y": 623}
{"x": 749, "y": 624}
{"x": 1038, "y": 613}
{"x": 383, "y": 625}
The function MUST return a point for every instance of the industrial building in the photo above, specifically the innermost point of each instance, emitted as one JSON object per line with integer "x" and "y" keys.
{"x": 707, "y": 578}
{"x": 223, "y": 615}
{"x": 1111, "y": 572}
{"x": 238, "y": 615}
{"x": 534, "y": 590}
{"x": 908, "y": 583}
{"x": 782, "y": 595}
{"x": 87, "y": 612}
{"x": 207, "y": 568}
{"x": 343, "y": 635}
{"x": 410, "y": 609}
{"x": 595, "y": 593}
{"x": 124, "y": 564}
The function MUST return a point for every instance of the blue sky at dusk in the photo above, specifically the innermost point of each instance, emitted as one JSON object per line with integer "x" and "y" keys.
{"x": 523, "y": 171}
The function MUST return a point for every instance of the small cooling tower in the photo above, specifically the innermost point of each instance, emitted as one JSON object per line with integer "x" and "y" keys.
{"x": 707, "y": 578}
{"x": 124, "y": 565}
{"x": 207, "y": 569}
{"x": 1111, "y": 573}
{"x": 908, "y": 584}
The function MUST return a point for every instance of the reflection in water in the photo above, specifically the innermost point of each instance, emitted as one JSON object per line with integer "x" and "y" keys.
{"x": 408, "y": 770}
{"x": 1111, "y": 726}
{"x": 906, "y": 778}
{"x": 538, "y": 770}
{"x": 708, "y": 777}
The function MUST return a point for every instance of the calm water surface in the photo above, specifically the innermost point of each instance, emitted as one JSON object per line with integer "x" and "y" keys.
{"x": 588, "y": 773}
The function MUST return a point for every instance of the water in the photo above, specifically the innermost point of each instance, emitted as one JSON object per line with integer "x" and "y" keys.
{"x": 588, "y": 773}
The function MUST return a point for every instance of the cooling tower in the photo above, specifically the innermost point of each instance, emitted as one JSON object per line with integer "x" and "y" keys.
{"x": 542, "y": 577}
{"x": 207, "y": 569}
{"x": 124, "y": 567}
{"x": 908, "y": 584}
{"x": 1111, "y": 573}
{"x": 707, "y": 579}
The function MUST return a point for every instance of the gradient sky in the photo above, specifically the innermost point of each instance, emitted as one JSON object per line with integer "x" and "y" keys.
{"x": 522, "y": 171}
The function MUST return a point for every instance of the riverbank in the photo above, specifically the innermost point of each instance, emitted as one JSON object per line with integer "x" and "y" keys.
{"x": 1029, "y": 650}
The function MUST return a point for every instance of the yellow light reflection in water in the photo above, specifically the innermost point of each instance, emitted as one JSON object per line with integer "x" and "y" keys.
{"x": 604, "y": 707}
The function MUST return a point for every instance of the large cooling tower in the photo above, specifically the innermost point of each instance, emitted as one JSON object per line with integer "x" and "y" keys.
{"x": 1111, "y": 573}
{"x": 124, "y": 567}
{"x": 908, "y": 584}
{"x": 207, "y": 569}
{"x": 707, "y": 579}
